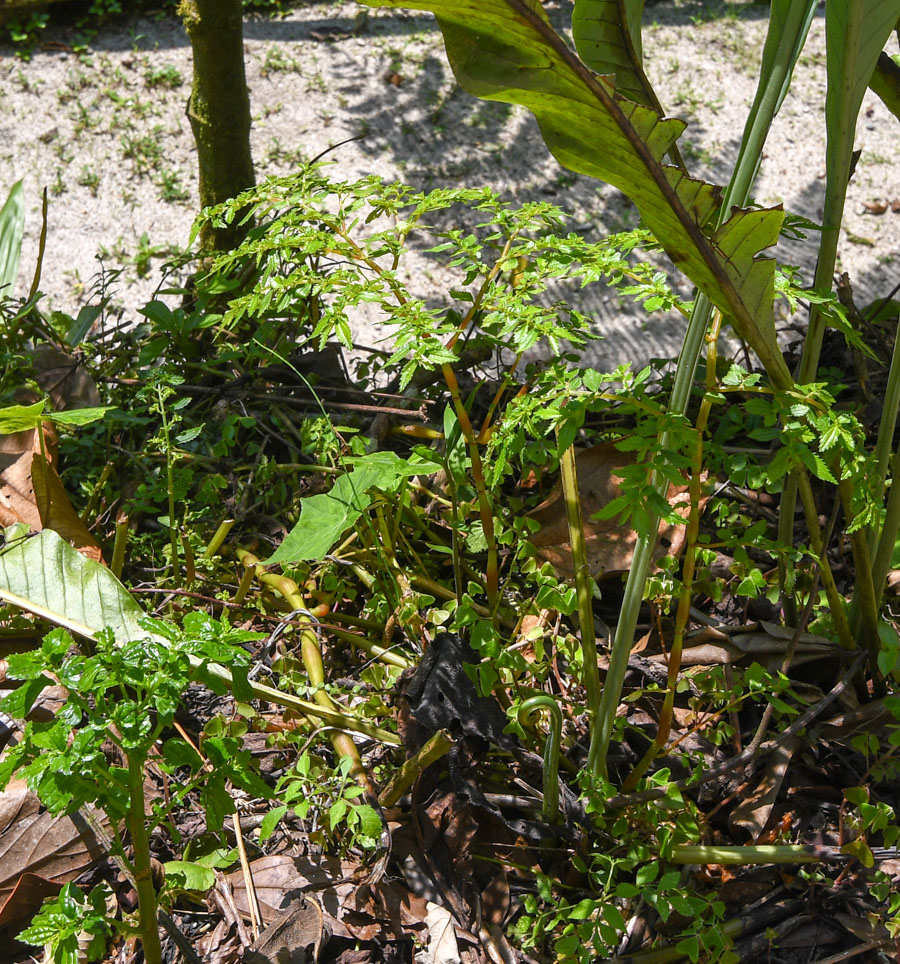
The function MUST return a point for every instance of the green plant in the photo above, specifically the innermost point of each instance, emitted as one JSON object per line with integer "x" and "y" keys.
{"x": 89, "y": 178}
{"x": 72, "y": 927}
{"x": 126, "y": 695}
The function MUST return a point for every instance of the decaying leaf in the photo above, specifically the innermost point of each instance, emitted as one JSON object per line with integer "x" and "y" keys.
{"x": 609, "y": 544}
{"x": 763, "y": 642}
{"x": 38, "y": 852}
{"x": 64, "y": 378}
{"x": 17, "y": 499}
{"x": 442, "y": 946}
{"x": 295, "y": 936}
{"x": 753, "y": 813}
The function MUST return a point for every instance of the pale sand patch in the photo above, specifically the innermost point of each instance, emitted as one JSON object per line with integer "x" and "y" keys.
{"x": 107, "y": 134}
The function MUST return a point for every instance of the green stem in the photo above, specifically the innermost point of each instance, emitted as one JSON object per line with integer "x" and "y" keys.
{"x": 218, "y": 538}
{"x": 864, "y": 611}
{"x": 572, "y": 498}
{"x": 143, "y": 875}
{"x": 836, "y": 601}
{"x": 891, "y": 526}
{"x": 739, "y": 856}
{"x": 526, "y": 716}
{"x": 774, "y": 81}
{"x": 170, "y": 482}
{"x": 485, "y": 512}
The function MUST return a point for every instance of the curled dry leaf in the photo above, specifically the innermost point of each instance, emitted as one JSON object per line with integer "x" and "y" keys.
{"x": 295, "y": 936}
{"x": 442, "y": 946}
{"x": 57, "y": 512}
{"x": 608, "y": 543}
{"x": 875, "y": 207}
{"x": 765, "y": 643}
{"x": 17, "y": 498}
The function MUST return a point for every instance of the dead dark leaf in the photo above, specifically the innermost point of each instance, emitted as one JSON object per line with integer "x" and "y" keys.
{"x": 29, "y": 892}
{"x": 64, "y": 378}
{"x": 895, "y": 206}
{"x": 609, "y": 544}
{"x": 441, "y": 696}
{"x": 763, "y": 642}
{"x": 54, "y": 850}
{"x": 495, "y": 900}
{"x": 295, "y": 936}
{"x": 753, "y": 813}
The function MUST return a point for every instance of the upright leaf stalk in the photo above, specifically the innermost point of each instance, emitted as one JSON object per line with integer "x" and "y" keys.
{"x": 774, "y": 81}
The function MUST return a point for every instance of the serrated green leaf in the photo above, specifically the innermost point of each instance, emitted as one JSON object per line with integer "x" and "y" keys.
{"x": 369, "y": 821}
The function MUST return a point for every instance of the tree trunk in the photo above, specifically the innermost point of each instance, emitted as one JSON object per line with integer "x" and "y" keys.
{"x": 219, "y": 109}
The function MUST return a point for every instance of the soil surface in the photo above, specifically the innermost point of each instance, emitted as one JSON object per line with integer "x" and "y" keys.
{"x": 105, "y": 131}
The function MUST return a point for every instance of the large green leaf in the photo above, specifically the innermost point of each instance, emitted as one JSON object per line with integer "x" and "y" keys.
{"x": 885, "y": 82}
{"x": 324, "y": 518}
{"x": 12, "y": 224}
{"x": 44, "y": 575}
{"x": 506, "y": 50}
{"x": 855, "y": 33}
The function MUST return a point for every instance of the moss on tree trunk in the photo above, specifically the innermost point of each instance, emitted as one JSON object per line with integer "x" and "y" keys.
{"x": 219, "y": 108}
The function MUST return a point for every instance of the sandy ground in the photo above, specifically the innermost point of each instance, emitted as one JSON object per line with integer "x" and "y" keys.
{"x": 106, "y": 132}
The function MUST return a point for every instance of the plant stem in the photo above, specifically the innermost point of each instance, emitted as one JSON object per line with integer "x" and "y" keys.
{"x": 864, "y": 610}
{"x": 664, "y": 727}
{"x": 143, "y": 876}
{"x": 836, "y": 601}
{"x": 438, "y": 746}
{"x": 882, "y": 561}
{"x": 572, "y": 497}
{"x": 526, "y": 714}
{"x": 492, "y": 572}
{"x": 170, "y": 481}
{"x": 759, "y": 854}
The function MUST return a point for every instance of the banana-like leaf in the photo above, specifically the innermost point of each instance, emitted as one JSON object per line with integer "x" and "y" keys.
{"x": 44, "y": 575}
{"x": 12, "y": 224}
{"x": 506, "y": 50}
{"x": 607, "y": 35}
{"x": 855, "y": 33}
{"x": 885, "y": 82}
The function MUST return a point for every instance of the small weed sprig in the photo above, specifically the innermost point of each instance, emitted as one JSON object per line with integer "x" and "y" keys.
{"x": 122, "y": 700}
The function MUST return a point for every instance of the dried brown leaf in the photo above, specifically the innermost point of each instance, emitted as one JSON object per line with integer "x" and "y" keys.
{"x": 64, "y": 378}
{"x": 57, "y": 511}
{"x": 295, "y": 936}
{"x": 54, "y": 850}
{"x": 753, "y": 813}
